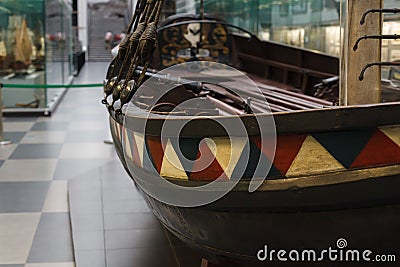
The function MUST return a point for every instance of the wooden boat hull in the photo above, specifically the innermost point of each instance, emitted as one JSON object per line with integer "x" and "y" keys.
{"x": 229, "y": 234}
{"x": 335, "y": 174}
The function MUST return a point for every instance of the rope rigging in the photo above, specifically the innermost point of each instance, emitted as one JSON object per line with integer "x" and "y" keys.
{"x": 134, "y": 51}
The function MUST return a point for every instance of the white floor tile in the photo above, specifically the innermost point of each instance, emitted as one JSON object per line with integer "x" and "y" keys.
{"x": 6, "y": 151}
{"x": 89, "y": 125}
{"x": 11, "y": 126}
{"x": 16, "y": 236}
{"x": 28, "y": 170}
{"x": 57, "y": 197}
{"x": 87, "y": 150}
{"x": 41, "y": 137}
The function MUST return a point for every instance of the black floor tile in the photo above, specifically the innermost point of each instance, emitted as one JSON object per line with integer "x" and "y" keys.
{"x": 14, "y": 137}
{"x": 52, "y": 241}
{"x": 36, "y": 151}
{"x": 22, "y": 196}
{"x": 50, "y": 126}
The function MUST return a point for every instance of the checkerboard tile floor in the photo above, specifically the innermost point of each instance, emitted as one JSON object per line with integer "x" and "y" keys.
{"x": 60, "y": 202}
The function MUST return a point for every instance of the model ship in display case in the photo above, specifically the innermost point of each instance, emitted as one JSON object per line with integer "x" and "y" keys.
{"x": 20, "y": 47}
{"x": 234, "y": 151}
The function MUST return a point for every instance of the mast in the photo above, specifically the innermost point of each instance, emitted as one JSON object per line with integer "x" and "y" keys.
{"x": 354, "y": 59}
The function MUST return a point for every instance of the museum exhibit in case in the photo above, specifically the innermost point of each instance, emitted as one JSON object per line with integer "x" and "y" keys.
{"x": 36, "y": 54}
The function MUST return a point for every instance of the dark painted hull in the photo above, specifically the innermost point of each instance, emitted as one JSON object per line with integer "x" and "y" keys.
{"x": 361, "y": 205}
{"x": 235, "y": 235}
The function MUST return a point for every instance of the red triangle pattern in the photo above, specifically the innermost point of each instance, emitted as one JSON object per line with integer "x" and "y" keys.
{"x": 267, "y": 142}
{"x": 380, "y": 150}
{"x": 212, "y": 172}
{"x": 135, "y": 151}
{"x": 156, "y": 151}
{"x": 287, "y": 148}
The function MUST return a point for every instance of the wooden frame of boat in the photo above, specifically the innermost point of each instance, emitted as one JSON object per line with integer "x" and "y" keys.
{"x": 335, "y": 172}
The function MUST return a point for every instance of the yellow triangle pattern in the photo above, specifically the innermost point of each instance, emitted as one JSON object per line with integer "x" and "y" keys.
{"x": 139, "y": 138}
{"x": 227, "y": 152}
{"x": 313, "y": 158}
{"x": 127, "y": 145}
{"x": 117, "y": 131}
{"x": 171, "y": 165}
{"x": 393, "y": 133}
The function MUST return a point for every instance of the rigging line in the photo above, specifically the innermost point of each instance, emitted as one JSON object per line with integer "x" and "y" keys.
{"x": 144, "y": 38}
{"x": 133, "y": 43}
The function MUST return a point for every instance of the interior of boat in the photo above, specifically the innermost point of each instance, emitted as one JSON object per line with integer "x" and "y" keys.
{"x": 288, "y": 78}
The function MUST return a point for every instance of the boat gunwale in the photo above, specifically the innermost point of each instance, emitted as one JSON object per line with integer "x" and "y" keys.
{"x": 337, "y": 118}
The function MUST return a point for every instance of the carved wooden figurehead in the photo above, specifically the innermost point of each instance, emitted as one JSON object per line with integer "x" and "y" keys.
{"x": 188, "y": 38}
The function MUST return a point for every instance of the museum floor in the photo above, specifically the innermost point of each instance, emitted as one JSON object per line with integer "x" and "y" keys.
{"x": 65, "y": 199}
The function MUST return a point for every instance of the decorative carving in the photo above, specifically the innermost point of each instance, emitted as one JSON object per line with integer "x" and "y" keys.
{"x": 195, "y": 41}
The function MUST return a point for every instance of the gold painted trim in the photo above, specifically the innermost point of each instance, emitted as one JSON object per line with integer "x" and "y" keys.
{"x": 332, "y": 178}
{"x": 326, "y": 179}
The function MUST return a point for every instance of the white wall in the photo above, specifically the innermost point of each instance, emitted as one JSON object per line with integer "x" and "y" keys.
{"x": 83, "y": 22}
{"x": 132, "y": 5}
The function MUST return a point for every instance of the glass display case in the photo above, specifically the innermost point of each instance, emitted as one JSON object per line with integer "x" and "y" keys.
{"x": 323, "y": 26}
{"x": 35, "y": 51}
{"x": 311, "y": 24}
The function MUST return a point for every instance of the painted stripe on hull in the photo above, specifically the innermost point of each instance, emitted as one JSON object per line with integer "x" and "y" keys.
{"x": 296, "y": 155}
